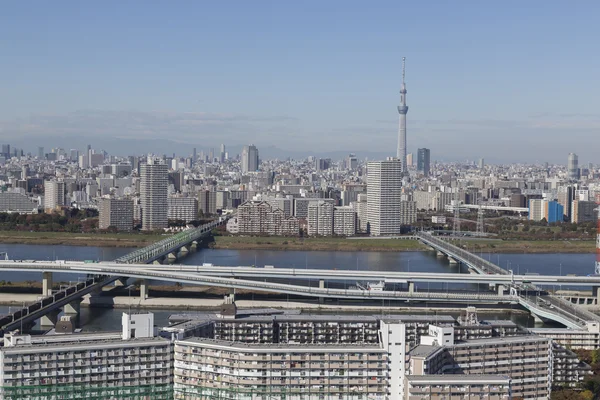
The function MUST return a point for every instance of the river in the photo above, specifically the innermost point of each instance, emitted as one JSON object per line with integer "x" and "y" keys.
{"x": 103, "y": 319}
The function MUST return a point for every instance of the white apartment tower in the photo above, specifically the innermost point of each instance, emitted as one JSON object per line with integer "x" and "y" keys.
{"x": 249, "y": 159}
{"x": 384, "y": 184}
{"x": 54, "y": 194}
{"x": 320, "y": 219}
{"x": 153, "y": 193}
{"x": 344, "y": 221}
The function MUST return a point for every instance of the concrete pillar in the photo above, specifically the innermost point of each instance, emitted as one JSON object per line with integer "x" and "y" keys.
{"x": 194, "y": 247}
{"x": 501, "y": 289}
{"x": 156, "y": 262}
{"x": 440, "y": 254}
{"x": 49, "y": 320}
{"x": 537, "y": 319}
{"x": 120, "y": 282}
{"x": 452, "y": 260}
{"x": 47, "y": 283}
{"x": 411, "y": 287}
{"x": 143, "y": 289}
{"x": 171, "y": 257}
{"x": 321, "y": 286}
{"x": 596, "y": 293}
{"x": 73, "y": 307}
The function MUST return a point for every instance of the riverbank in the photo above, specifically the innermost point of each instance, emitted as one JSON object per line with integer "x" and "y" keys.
{"x": 297, "y": 244}
{"x": 314, "y": 244}
{"x": 79, "y": 239}
{"x": 382, "y": 245}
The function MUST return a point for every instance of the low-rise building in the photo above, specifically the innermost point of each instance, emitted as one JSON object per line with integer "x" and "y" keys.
{"x": 17, "y": 203}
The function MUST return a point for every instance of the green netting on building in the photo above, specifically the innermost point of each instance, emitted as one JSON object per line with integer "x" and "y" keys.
{"x": 168, "y": 392}
{"x": 60, "y": 392}
{"x": 304, "y": 393}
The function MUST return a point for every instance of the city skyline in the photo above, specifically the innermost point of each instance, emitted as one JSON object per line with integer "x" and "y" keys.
{"x": 472, "y": 79}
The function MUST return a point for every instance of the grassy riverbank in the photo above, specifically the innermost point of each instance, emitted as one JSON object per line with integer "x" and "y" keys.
{"x": 304, "y": 244}
{"x": 79, "y": 239}
{"x": 315, "y": 244}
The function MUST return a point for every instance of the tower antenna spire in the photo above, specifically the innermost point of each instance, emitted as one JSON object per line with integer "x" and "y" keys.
{"x": 403, "y": 68}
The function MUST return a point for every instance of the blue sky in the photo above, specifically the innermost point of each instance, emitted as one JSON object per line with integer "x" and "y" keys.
{"x": 508, "y": 81}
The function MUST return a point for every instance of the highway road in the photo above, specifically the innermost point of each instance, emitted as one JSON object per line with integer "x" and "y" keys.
{"x": 173, "y": 271}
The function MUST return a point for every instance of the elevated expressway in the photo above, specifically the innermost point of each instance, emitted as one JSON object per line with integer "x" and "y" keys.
{"x": 522, "y": 287}
{"x": 190, "y": 276}
{"x": 543, "y": 306}
{"x": 69, "y": 298}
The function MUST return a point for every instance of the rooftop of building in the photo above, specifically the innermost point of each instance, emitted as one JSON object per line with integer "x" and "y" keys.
{"x": 424, "y": 350}
{"x": 79, "y": 342}
{"x": 278, "y": 347}
{"x": 503, "y": 340}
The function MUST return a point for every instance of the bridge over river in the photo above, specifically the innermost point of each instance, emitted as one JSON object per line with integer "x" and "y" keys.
{"x": 525, "y": 290}
{"x": 51, "y": 302}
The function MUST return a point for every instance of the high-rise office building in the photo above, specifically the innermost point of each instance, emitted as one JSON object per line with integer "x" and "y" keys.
{"x": 222, "y": 155}
{"x": 402, "y": 110}
{"x": 409, "y": 160}
{"x": 352, "y": 162}
{"x": 384, "y": 184}
{"x": 481, "y": 163}
{"x": 423, "y": 157}
{"x": 153, "y": 194}
{"x": 194, "y": 157}
{"x": 573, "y": 166}
{"x": 6, "y": 151}
{"x": 249, "y": 159}
{"x": 41, "y": 153}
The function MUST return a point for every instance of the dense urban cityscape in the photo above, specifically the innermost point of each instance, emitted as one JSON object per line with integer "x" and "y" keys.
{"x": 158, "y": 240}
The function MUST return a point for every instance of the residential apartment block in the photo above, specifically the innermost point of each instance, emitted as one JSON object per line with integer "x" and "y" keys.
{"x": 259, "y": 218}
{"x": 117, "y": 213}
{"x": 76, "y": 366}
{"x": 183, "y": 208}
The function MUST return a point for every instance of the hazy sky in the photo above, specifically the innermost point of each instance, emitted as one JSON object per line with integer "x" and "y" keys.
{"x": 508, "y": 81}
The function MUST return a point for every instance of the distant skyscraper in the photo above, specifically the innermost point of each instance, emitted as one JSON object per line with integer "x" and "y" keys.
{"x": 222, "y": 158}
{"x": 211, "y": 155}
{"x": 481, "y": 163}
{"x": 153, "y": 194}
{"x": 6, "y": 151}
{"x": 249, "y": 159}
{"x": 402, "y": 110}
{"x": 423, "y": 163}
{"x": 384, "y": 186}
{"x": 74, "y": 156}
{"x": 40, "y": 153}
{"x": 573, "y": 166}
{"x": 194, "y": 156}
{"x": 352, "y": 162}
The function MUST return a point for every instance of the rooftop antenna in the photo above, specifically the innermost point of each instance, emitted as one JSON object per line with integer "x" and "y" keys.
{"x": 403, "y": 69}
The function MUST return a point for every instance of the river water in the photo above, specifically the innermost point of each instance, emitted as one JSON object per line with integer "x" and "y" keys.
{"x": 103, "y": 319}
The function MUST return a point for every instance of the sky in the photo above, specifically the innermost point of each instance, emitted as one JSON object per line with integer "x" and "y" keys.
{"x": 508, "y": 81}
